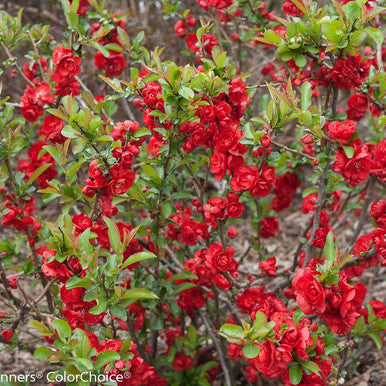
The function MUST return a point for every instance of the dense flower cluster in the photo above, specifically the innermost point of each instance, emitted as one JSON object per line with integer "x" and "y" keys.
{"x": 142, "y": 266}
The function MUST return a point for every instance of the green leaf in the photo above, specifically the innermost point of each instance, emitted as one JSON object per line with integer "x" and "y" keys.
{"x": 232, "y": 330}
{"x": 186, "y": 92}
{"x": 62, "y": 328}
{"x": 183, "y": 287}
{"x": 295, "y": 374}
{"x": 110, "y": 108}
{"x": 118, "y": 311}
{"x": 251, "y": 351}
{"x": 84, "y": 241}
{"x": 151, "y": 173}
{"x": 38, "y": 172}
{"x": 106, "y": 357}
{"x": 57, "y": 113}
{"x": 42, "y": 353}
{"x": 83, "y": 347}
{"x": 113, "y": 83}
{"x": 76, "y": 282}
{"x": 349, "y": 151}
{"x": 306, "y": 96}
{"x": 330, "y": 31}
{"x": 138, "y": 40}
{"x": 312, "y": 366}
{"x": 358, "y": 327}
{"x": 192, "y": 333}
{"x": 136, "y": 257}
{"x": 375, "y": 34}
{"x": 123, "y": 38}
{"x": 100, "y": 307}
{"x": 329, "y": 247}
{"x": 114, "y": 236}
{"x": 300, "y": 60}
{"x": 260, "y": 320}
{"x": 41, "y": 328}
{"x": 139, "y": 293}
{"x": 83, "y": 364}
{"x": 379, "y": 324}
{"x": 272, "y": 37}
{"x": 54, "y": 153}
{"x": 352, "y": 10}
{"x": 166, "y": 209}
{"x": 69, "y": 132}
{"x": 376, "y": 339}
{"x": 183, "y": 276}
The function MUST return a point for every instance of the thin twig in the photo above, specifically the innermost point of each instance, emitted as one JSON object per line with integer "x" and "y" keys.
{"x": 319, "y": 201}
{"x": 364, "y": 211}
{"x": 220, "y": 353}
{"x": 11, "y": 57}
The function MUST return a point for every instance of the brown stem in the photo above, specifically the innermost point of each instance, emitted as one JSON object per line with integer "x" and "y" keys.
{"x": 45, "y": 290}
{"x": 285, "y": 148}
{"x": 35, "y": 48}
{"x": 10, "y": 56}
{"x": 344, "y": 357}
{"x": 319, "y": 201}
{"x": 220, "y": 352}
{"x": 364, "y": 212}
{"x": 133, "y": 337}
{"x": 29, "y": 235}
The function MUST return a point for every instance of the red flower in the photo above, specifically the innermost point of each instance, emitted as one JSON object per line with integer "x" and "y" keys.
{"x": 269, "y": 266}
{"x": 350, "y": 72}
{"x": 114, "y": 64}
{"x": 269, "y": 226}
{"x": 291, "y": 9}
{"x": 74, "y": 295}
{"x": 32, "y": 72}
{"x": 357, "y": 104}
{"x": 81, "y": 222}
{"x": 378, "y": 211}
{"x": 7, "y": 334}
{"x": 31, "y": 112}
{"x": 66, "y": 65}
{"x": 237, "y": 93}
{"x": 218, "y": 259}
{"x": 207, "y": 114}
{"x": 248, "y": 299}
{"x": 357, "y": 168}
{"x": 218, "y": 164}
{"x": 232, "y": 232}
{"x": 308, "y": 204}
{"x": 310, "y": 294}
{"x": 342, "y": 132}
{"x": 245, "y": 178}
{"x": 181, "y": 362}
{"x": 51, "y": 129}
{"x": 150, "y": 91}
{"x": 121, "y": 183}
{"x": 379, "y": 158}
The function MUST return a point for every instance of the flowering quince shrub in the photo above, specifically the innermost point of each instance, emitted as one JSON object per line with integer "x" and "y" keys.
{"x": 138, "y": 272}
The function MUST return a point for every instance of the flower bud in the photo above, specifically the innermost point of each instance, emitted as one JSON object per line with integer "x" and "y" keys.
{"x": 265, "y": 140}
